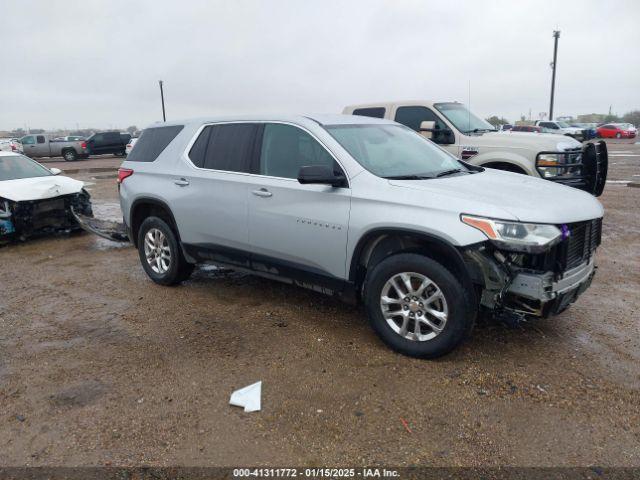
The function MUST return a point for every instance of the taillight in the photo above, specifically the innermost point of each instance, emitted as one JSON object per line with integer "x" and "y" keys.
{"x": 124, "y": 173}
{"x": 13, "y": 147}
{"x": 128, "y": 145}
{"x": 83, "y": 145}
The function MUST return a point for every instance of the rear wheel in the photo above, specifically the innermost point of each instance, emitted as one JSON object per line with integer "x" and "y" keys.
{"x": 417, "y": 306}
{"x": 160, "y": 253}
{"x": 69, "y": 155}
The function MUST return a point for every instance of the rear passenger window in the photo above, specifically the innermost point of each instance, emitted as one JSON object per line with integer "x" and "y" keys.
{"x": 40, "y": 139}
{"x": 286, "y": 148}
{"x": 375, "y": 112}
{"x": 152, "y": 142}
{"x": 225, "y": 147}
{"x": 199, "y": 149}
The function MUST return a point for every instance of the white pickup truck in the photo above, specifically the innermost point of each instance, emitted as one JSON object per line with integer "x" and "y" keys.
{"x": 562, "y": 128}
{"x": 451, "y": 125}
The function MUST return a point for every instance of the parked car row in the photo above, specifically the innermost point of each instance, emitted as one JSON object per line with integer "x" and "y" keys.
{"x": 70, "y": 147}
{"x": 455, "y": 236}
{"x": 579, "y": 131}
{"x": 10, "y": 145}
{"x": 617, "y": 130}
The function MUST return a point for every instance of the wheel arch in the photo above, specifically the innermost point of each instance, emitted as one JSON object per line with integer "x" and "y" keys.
{"x": 379, "y": 243}
{"x": 506, "y": 166}
{"x": 69, "y": 149}
{"x": 505, "y": 158}
{"x": 145, "y": 207}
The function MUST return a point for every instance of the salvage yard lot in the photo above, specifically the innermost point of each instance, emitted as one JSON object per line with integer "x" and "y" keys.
{"x": 98, "y": 366}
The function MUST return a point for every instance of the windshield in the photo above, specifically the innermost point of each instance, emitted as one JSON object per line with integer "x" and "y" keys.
{"x": 463, "y": 119}
{"x": 13, "y": 167}
{"x": 394, "y": 151}
{"x": 563, "y": 124}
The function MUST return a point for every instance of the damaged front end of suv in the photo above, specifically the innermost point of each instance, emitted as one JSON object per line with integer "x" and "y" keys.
{"x": 531, "y": 270}
{"x": 23, "y": 219}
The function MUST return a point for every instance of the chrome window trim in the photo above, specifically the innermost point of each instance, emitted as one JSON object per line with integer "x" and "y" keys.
{"x": 185, "y": 153}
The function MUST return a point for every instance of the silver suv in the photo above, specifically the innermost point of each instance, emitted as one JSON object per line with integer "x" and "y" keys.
{"x": 363, "y": 208}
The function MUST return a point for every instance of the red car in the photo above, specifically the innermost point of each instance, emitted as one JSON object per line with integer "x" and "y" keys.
{"x": 526, "y": 128}
{"x": 614, "y": 131}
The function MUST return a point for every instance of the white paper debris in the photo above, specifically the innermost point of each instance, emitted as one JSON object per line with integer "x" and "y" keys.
{"x": 248, "y": 397}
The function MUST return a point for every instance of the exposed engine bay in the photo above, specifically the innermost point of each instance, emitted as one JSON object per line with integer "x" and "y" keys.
{"x": 20, "y": 220}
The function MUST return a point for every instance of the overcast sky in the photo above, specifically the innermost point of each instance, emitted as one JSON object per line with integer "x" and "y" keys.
{"x": 97, "y": 63}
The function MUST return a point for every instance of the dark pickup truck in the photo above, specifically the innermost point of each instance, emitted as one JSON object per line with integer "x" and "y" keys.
{"x": 108, "y": 142}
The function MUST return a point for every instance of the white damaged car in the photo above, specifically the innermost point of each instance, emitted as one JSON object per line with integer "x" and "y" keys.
{"x": 35, "y": 199}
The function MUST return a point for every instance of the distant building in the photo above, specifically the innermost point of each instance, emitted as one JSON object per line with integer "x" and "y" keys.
{"x": 592, "y": 118}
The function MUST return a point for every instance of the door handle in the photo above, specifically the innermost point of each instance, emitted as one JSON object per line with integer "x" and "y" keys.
{"x": 263, "y": 192}
{"x": 182, "y": 182}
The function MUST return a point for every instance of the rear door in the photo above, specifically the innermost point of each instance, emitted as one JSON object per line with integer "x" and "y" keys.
{"x": 112, "y": 142}
{"x": 297, "y": 231}
{"x": 209, "y": 195}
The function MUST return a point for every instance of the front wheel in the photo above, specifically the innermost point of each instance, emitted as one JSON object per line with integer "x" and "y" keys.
{"x": 618, "y": 135}
{"x": 160, "y": 253}
{"x": 417, "y": 306}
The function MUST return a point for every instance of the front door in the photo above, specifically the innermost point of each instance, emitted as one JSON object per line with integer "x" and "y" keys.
{"x": 297, "y": 231}
{"x": 29, "y": 146}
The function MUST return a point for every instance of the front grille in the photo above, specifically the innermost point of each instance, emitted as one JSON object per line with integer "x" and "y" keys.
{"x": 583, "y": 167}
{"x": 584, "y": 238}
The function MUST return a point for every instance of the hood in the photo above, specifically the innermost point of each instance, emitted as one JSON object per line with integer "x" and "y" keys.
{"x": 523, "y": 198}
{"x": 539, "y": 142}
{"x": 38, "y": 188}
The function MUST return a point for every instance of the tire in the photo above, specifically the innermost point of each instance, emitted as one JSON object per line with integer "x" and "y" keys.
{"x": 618, "y": 135}
{"x": 70, "y": 155}
{"x": 169, "y": 271}
{"x": 455, "y": 302}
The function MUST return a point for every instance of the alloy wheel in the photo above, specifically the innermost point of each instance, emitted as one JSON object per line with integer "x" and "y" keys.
{"x": 157, "y": 250}
{"x": 414, "y": 306}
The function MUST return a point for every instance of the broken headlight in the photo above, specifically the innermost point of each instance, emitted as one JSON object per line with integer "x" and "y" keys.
{"x": 516, "y": 236}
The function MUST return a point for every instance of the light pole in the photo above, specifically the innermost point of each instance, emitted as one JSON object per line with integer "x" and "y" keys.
{"x": 556, "y": 36}
{"x": 164, "y": 116}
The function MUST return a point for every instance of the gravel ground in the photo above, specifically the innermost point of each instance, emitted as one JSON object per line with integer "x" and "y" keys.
{"x": 99, "y": 366}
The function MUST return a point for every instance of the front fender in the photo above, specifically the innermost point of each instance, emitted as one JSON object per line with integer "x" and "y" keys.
{"x": 504, "y": 156}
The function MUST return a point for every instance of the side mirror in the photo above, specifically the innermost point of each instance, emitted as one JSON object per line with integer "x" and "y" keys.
{"x": 55, "y": 171}
{"x": 443, "y": 136}
{"x": 320, "y": 174}
{"x": 426, "y": 128}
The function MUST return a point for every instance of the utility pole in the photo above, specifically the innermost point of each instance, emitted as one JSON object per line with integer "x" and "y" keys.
{"x": 556, "y": 36}
{"x": 164, "y": 116}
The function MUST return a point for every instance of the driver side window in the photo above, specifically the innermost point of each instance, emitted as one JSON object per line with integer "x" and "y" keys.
{"x": 286, "y": 148}
{"x": 28, "y": 141}
{"x": 412, "y": 117}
